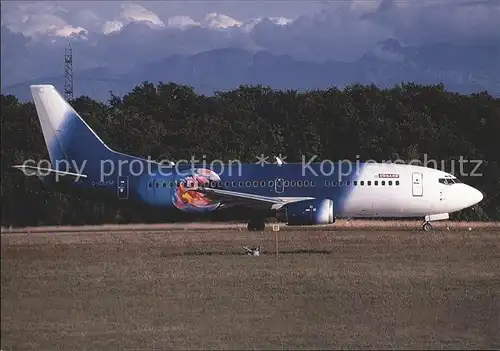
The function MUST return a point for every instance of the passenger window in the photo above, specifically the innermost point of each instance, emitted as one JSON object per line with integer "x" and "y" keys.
{"x": 164, "y": 185}
{"x": 397, "y": 182}
{"x": 383, "y": 182}
{"x": 390, "y": 182}
{"x": 150, "y": 185}
{"x": 362, "y": 183}
{"x": 376, "y": 182}
{"x": 334, "y": 183}
{"x": 299, "y": 183}
{"x": 369, "y": 182}
{"x": 157, "y": 185}
{"x": 348, "y": 183}
{"x": 355, "y": 183}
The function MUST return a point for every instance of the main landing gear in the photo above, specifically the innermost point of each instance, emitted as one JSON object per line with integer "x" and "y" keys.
{"x": 256, "y": 225}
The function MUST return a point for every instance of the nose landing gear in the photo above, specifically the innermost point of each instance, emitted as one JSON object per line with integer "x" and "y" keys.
{"x": 435, "y": 217}
{"x": 427, "y": 227}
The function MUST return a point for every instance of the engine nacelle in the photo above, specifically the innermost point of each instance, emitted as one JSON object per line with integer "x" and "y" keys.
{"x": 309, "y": 212}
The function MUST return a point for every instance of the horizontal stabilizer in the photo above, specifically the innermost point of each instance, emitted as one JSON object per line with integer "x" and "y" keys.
{"x": 40, "y": 172}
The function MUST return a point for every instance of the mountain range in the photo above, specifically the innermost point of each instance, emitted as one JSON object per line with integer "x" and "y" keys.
{"x": 463, "y": 69}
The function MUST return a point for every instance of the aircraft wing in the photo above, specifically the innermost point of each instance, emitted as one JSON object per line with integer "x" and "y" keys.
{"x": 234, "y": 198}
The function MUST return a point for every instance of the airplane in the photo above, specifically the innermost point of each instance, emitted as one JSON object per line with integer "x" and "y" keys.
{"x": 294, "y": 193}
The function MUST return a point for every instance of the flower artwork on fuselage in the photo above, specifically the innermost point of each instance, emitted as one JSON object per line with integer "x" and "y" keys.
{"x": 187, "y": 197}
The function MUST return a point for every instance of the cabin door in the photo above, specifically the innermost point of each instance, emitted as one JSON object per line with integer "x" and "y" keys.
{"x": 123, "y": 188}
{"x": 279, "y": 185}
{"x": 417, "y": 184}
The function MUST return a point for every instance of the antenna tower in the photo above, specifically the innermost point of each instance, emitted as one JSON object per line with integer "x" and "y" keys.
{"x": 68, "y": 73}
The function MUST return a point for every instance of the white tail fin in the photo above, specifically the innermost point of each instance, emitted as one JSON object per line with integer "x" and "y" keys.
{"x": 66, "y": 134}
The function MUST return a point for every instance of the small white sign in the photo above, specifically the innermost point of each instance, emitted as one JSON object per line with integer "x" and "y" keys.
{"x": 276, "y": 227}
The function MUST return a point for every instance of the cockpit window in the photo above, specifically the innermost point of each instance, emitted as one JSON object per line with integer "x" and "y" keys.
{"x": 449, "y": 181}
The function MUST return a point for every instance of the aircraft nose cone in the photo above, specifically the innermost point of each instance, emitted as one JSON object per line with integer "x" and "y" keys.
{"x": 476, "y": 196}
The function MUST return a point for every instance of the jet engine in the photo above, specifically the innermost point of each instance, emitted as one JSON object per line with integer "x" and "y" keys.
{"x": 309, "y": 212}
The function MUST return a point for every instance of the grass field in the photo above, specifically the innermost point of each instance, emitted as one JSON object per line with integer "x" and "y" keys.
{"x": 196, "y": 290}
{"x": 343, "y": 224}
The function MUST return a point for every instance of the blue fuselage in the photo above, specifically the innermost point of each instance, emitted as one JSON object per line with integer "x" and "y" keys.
{"x": 130, "y": 178}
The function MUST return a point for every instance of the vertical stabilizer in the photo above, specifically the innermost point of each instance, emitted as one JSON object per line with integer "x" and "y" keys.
{"x": 66, "y": 134}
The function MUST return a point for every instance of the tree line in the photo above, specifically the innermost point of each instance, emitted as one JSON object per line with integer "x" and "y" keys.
{"x": 171, "y": 121}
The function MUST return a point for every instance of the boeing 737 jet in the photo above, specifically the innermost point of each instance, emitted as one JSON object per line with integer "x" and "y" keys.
{"x": 298, "y": 194}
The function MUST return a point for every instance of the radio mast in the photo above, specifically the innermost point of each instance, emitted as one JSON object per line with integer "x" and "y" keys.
{"x": 68, "y": 73}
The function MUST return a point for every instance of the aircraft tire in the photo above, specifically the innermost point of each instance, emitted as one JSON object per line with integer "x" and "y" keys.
{"x": 256, "y": 225}
{"x": 427, "y": 227}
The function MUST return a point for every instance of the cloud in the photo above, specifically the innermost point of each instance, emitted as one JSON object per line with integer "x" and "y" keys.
{"x": 87, "y": 19}
{"x": 389, "y": 50}
{"x": 182, "y": 22}
{"x": 332, "y": 34}
{"x": 346, "y": 30}
{"x": 123, "y": 35}
{"x": 133, "y": 13}
{"x": 455, "y": 22}
{"x": 112, "y": 26}
{"x": 217, "y": 20}
{"x": 211, "y": 20}
{"x": 38, "y": 19}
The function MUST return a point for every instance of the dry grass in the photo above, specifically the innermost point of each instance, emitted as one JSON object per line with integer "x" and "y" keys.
{"x": 194, "y": 290}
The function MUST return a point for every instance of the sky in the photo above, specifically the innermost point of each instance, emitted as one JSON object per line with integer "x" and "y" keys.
{"x": 125, "y": 34}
